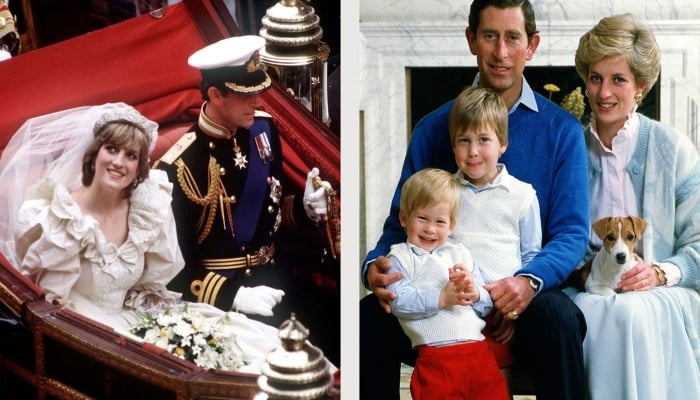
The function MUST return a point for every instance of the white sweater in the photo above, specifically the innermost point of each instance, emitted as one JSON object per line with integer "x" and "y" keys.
{"x": 425, "y": 274}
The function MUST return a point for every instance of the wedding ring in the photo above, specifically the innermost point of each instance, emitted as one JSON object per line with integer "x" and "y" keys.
{"x": 514, "y": 315}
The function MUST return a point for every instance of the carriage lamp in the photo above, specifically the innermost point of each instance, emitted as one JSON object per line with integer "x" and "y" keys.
{"x": 296, "y": 369}
{"x": 295, "y": 56}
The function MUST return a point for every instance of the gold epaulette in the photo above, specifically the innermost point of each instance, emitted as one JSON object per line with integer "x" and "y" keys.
{"x": 176, "y": 150}
{"x": 263, "y": 114}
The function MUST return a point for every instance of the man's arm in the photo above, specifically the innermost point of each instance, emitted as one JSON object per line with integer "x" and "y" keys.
{"x": 549, "y": 153}
{"x": 566, "y": 220}
{"x": 429, "y": 147}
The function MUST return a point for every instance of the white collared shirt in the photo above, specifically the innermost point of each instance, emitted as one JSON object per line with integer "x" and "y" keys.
{"x": 613, "y": 193}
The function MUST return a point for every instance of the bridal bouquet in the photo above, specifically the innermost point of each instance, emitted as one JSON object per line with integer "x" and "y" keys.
{"x": 206, "y": 341}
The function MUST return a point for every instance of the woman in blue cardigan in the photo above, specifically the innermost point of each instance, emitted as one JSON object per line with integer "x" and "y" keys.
{"x": 642, "y": 343}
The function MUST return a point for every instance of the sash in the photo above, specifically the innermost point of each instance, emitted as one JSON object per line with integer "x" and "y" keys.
{"x": 247, "y": 211}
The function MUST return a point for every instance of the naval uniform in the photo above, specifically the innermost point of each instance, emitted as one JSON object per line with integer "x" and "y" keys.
{"x": 228, "y": 204}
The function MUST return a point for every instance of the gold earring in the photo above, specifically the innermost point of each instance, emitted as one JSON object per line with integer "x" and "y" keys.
{"x": 638, "y": 97}
{"x": 586, "y": 92}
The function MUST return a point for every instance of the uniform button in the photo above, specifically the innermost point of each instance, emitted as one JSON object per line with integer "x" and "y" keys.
{"x": 233, "y": 199}
{"x": 212, "y": 145}
{"x": 270, "y": 233}
{"x": 270, "y": 209}
{"x": 248, "y": 272}
{"x": 243, "y": 249}
{"x": 222, "y": 171}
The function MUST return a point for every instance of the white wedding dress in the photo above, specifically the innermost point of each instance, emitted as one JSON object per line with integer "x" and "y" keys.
{"x": 66, "y": 254}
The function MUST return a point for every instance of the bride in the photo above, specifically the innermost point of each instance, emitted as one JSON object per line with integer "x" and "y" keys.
{"x": 89, "y": 222}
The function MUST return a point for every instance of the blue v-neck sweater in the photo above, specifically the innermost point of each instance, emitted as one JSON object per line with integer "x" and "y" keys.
{"x": 546, "y": 149}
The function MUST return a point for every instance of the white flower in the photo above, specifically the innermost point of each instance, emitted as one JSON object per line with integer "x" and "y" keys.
{"x": 162, "y": 342}
{"x": 208, "y": 342}
{"x": 183, "y": 329}
{"x": 152, "y": 334}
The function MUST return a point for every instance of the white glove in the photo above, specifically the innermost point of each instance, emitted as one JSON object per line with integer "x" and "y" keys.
{"x": 257, "y": 300}
{"x": 315, "y": 203}
{"x": 5, "y": 55}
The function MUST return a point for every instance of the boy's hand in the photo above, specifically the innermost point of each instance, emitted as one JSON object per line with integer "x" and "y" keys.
{"x": 464, "y": 282}
{"x": 460, "y": 290}
{"x": 505, "y": 329}
{"x": 450, "y": 295}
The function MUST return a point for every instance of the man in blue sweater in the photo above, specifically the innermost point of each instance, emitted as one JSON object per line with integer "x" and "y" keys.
{"x": 546, "y": 149}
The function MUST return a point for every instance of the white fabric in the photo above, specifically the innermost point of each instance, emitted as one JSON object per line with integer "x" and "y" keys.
{"x": 230, "y": 52}
{"x": 67, "y": 255}
{"x": 5, "y": 55}
{"x": 645, "y": 345}
{"x": 315, "y": 202}
{"x": 257, "y": 300}
{"x": 613, "y": 192}
{"x": 671, "y": 272}
{"x": 488, "y": 224}
{"x": 255, "y": 339}
{"x": 50, "y": 146}
{"x": 637, "y": 323}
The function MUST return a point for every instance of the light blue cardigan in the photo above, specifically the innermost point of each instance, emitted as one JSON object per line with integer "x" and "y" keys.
{"x": 665, "y": 172}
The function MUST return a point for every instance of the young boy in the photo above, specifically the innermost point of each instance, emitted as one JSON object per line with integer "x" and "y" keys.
{"x": 499, "y": 218}
{"x": 439, "y": 300}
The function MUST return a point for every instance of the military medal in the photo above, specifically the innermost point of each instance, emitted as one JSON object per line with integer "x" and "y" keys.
{"x": 240, "y": 159}
{"x": 264, "y": 148}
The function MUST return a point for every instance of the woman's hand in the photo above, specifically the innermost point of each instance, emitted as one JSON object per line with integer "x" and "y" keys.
{"x": 641, "y": 277}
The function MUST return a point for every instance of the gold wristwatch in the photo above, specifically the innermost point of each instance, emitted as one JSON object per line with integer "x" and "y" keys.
{"x": 534, "y": 283}
{"x": 660, "y": 275}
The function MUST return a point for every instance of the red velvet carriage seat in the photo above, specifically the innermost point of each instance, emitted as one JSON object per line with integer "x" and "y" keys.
{"x": 142, "y": 62}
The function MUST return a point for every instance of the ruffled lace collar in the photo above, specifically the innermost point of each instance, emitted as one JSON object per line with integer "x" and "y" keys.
{"x": 144, "y": 218}
{"x": 146, "y": 212}
{"x": 629, "y": 129}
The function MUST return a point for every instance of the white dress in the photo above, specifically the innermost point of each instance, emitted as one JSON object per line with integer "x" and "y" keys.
{"x": 66, "y": 254}
{"x": 643, "y": 331}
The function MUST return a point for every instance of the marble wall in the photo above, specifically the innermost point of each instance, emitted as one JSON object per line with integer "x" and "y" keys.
{"x": 399, "y": 34}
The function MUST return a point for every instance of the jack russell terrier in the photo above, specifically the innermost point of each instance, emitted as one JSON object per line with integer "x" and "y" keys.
{"x": 619, "y": 235}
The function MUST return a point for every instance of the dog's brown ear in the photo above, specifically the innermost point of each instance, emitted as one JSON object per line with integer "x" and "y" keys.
{"x": 638, "y": 225}
{"x": 600, "y": 227}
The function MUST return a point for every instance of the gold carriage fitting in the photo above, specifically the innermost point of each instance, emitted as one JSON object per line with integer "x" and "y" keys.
{"x": 295, "y": 55}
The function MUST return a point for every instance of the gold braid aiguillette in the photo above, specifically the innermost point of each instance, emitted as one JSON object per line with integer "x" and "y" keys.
{"x": 208, "y": 202}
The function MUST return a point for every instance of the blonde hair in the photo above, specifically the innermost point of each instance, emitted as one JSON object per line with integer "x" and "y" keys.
{"x": 621, "y": 35}
{"x": 429, "y": 187}
{"x": 477, "y": 106}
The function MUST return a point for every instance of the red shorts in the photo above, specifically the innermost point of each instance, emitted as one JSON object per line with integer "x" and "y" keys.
{"x": 461, "y": 371}
{"x": 503, "y": 352}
